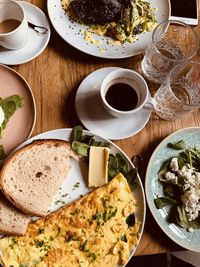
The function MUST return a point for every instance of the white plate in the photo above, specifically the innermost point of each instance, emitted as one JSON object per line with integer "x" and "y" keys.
{"x": 36, "y": 43}
{"x": 78, "y": 174}
{"x": 71, "y": 32}
{"x": 154, "y": 189}
{"x": 94, "y": 117}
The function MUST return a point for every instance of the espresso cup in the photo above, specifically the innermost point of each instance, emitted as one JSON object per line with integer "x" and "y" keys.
{"x": 123, "y": 92}
{"x": 13, "y": 25}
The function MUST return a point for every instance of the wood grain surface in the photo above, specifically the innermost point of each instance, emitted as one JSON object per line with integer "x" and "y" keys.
{"x": 54, "y": 77}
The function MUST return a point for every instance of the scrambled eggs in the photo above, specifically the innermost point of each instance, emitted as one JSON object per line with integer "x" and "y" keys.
{"x": 97, "y": 230}
{"x": 136, "y": 18}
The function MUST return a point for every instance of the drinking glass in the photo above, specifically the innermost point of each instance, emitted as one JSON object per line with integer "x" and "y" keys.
{"x": 180, "y": 91}
{"x": 172, "y": 42}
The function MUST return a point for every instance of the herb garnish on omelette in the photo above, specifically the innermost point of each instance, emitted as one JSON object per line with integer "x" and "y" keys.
{"x": 100, "y": 229}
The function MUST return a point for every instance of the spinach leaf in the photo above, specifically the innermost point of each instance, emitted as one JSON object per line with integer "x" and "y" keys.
{"x": 80, "y": 148}
{"x": 18, "y": 100}
{"x": 81, "y": 143}
{"x": 161, "y": 202}
{"x": 180, "y": 145}
{"x": 164, "y": 168}
{"x": 77, "y": 133}
{"x": 9, "y": 109}
{"x": 117, "y": 163}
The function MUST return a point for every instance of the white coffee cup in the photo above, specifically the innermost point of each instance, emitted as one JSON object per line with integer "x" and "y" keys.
{"x": 16, "y": 38}
{"x": 126, "y": 78}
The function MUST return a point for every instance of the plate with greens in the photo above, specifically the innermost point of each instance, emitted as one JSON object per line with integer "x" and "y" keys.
{"x": 17, "y": 110}
{"x": 173, "y": 187}
{"x": 76, "y": 184}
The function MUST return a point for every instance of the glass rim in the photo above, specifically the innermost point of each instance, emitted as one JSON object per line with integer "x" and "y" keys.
{"x": 184, "y": 62}
{"x": 178, "y": 22}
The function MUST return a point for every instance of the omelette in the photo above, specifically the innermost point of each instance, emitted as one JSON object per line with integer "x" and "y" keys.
{"x": 98, "y": 230}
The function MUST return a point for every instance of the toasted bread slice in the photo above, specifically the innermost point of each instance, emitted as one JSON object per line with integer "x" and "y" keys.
{"x": 32, "y": 175}
{"x": 12, "y": 220}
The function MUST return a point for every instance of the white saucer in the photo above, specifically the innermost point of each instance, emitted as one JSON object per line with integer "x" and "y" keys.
{"x": 36, "y": 43}
{"x": 94, "y": 117}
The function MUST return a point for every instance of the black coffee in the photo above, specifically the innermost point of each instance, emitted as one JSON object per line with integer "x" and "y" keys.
{"x": 122, "y": 97}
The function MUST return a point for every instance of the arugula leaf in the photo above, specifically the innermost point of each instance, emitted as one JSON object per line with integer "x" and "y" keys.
{"x": 161, "y": 202}
{"x": 180, "y": 145}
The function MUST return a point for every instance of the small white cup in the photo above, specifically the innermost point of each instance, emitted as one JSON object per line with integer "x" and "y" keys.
{"x": 17, "y": 38}
{"x": 131, "y": 78}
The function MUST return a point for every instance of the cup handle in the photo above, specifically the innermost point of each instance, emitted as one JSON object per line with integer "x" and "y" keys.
{"x": 150, "y": 104}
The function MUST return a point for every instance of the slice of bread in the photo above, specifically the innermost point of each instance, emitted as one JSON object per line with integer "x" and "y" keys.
{"x": 12, "y": 220}
{"x": 32, "y": 175}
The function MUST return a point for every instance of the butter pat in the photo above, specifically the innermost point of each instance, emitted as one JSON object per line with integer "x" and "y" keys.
{"x": 98, "y": 166}
{"x": 2, "y": 116}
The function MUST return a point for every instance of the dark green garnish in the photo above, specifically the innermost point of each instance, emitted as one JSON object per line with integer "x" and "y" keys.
{"x": 97, "y": 216}
{"x": 83, "y": 246}
{"x": 41, "y": 231}
{"x": 130, "y": 220}
{"x": 124, "y": 238}
{"x": 161, "y": 202}
{"x": 178, "y": 146}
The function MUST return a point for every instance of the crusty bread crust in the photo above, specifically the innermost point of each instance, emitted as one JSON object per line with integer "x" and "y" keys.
{"x": 14, "y": 156}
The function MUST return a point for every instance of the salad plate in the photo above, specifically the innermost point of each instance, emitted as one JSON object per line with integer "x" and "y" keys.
{"x": 22, "y": 122}
{"x": 73, "y": 33}
{"x": 186, "y": 238}
{"x": 75, "y": 185}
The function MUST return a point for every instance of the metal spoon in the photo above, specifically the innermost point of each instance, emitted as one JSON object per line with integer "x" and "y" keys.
{"x": 38, "y": 29}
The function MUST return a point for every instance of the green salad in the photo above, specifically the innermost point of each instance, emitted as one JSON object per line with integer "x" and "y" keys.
{"x": 81, "y": 143}
{"x": 180, "y": 180}
{"x": 8, "y": 106}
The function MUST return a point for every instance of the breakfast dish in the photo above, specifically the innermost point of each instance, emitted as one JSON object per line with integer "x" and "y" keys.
{"x": 95, "y": 118}
{"x": 78, "y": 36}
{"x": 33, "y": 170}
{"x": 100, "y": 229}
{"x": 23, "y": 119}
{"x": 123, "y": 21}
{"x": 76, "y": 187}
{"x": 36, "y": 43}
{"x": 182, "y": 226}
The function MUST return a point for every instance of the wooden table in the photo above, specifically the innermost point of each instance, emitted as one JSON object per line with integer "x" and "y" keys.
{"x": 54, "y": 77}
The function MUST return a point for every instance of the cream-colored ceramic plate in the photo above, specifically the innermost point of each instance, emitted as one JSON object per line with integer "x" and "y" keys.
{"x": 21, "y": 124}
